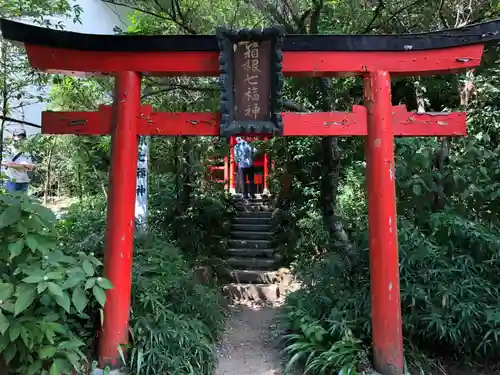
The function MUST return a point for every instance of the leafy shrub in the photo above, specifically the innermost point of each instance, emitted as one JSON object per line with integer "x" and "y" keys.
{"x": 175, "y": 320}
{"x": 83, "y": 226}
{"x": 41, "y": 289}
{"x": 450, "y": 286}
{"x": 448, "y": 224}
{"x": 449, "y": 297}
{"x": 201, "y": 230}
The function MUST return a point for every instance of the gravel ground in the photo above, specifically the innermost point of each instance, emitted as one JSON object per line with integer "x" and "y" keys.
{"x": 247, "y": 347}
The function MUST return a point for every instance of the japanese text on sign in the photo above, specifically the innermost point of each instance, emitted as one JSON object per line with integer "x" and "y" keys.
{"x": 141, "y": 200}
{"x": 252, "y": 72}
{"x": 251, "y": 67}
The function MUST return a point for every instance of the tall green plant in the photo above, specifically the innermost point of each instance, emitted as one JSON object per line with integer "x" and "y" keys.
{"x": 175, "y": 320}
{"x": 41, "y": 289}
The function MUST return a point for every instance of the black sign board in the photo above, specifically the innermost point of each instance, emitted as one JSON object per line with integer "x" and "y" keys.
{"x": 251, "y": 80}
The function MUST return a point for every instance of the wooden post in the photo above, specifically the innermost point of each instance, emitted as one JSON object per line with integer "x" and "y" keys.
{"x": 232, "y": 169}
{"x": 383, "y": 240}
{"x": 266, "y": 171}
{"x": 226, "y": 173}
{"x": 120, "y": 218}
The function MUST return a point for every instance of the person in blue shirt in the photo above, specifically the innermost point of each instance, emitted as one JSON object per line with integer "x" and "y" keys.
{"x": 16, "y": 163}
{"x": 244, "y": 154}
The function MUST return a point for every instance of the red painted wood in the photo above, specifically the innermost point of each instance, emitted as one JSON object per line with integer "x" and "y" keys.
{"x": 232, "y": 169}
{"x": 304, "y": 64}
{"x": 382, "y": 220}
{"x": 226, "y": 172}
{"x": 256, "y": 163}
{"x": 120, "y": 219}
{"x": 409, "y": 124}
{"x": 266, "y": 169}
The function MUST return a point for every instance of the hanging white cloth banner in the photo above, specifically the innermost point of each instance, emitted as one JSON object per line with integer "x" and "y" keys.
{"x": 141, "y": 199}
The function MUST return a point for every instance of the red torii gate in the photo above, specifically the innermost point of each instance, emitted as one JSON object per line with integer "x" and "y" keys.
{"x": 375, "y": 58}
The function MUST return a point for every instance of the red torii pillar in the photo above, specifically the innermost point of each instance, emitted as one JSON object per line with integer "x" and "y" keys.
{"x": 382, "y": 225}
{"x": 121, "y": 206}
{"x": 379, "y": 122}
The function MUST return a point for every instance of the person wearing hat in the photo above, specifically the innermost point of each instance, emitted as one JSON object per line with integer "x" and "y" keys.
{"x": 16, "y": 163}
{"x": 243, "y": 154}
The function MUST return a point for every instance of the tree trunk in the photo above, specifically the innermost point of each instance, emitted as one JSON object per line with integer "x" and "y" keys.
{"x": 80, "y": 187}
{"x": 287, "y": 178}
{"x": 3, "y": 57}
{"x": 330, "y": 179}
{"x": 186, "y": 191}
{"x": 47, "y": 174}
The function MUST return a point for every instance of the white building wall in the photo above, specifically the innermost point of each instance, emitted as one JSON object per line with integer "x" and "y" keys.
{"x": 98, "y": 17}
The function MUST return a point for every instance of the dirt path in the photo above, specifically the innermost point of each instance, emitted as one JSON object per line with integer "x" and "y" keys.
{"x": 248, "y": 347}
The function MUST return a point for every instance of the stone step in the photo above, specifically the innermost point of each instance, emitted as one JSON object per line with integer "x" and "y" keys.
{"x": 254, "y": 214}
{"x": 251, "y": 227}
{"x": 252, "y": 292}
{"x": 251, "y": 253}
{"x": 249, "y": 244}
{"x": 252, "y": 221}
{"x": 252, "y": 208}
{"x": 252, "y": 202}
{"x": 239, "y": 197}
{"x": 256, "y": 199}
{"x": 251, "y": 263}
{"x": 251, "y": 235}
{"x": 252, "y": 276}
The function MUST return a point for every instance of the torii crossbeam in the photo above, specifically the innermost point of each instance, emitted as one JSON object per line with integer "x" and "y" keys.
{"x": 406, "y": 124}
{"x": 375, "y": 58}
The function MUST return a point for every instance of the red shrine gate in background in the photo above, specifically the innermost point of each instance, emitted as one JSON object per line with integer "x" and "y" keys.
{"x": 375, "y": 58}
{"x": 225, "y": 171}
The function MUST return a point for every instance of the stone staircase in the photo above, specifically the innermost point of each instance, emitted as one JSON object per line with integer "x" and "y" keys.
{"x": 252, "y": 259}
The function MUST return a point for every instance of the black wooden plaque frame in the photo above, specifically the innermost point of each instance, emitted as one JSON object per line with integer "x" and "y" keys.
{"x": 226, "y": 39}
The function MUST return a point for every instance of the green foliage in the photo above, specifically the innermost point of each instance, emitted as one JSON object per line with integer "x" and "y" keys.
{"x": 39, "y": 10}
{"x": 18, "y": 81}
{"x": 175, "y": 320}
{"x": 202, "y": 230}
{"x": 448, "y": 251}
{"x": 42, "y": 288}
{"x": 320, "y": 350}
{"x": 454, "y": 305}
{"x": 83, "y": 227}
{"x": 448, "y": 214}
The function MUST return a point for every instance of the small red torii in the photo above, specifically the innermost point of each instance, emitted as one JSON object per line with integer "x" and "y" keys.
{"x": 373, "y": 57}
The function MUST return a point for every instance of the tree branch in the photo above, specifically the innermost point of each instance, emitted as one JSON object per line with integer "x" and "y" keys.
{"x": 398, "y": 12}
{"x": 176, "y": 10}
{"x": 287, "y": 104}
{"x": 295, "y": 107}
{"x": 180, "y": 87}
{"x": 316, "y": 13}
{"x": 441, "y": 15}
{"x": 10, "y": 119}
{"x": 136, "y": 8}
{"x": 183, "y": 22}
{"x": 376, "y": 14}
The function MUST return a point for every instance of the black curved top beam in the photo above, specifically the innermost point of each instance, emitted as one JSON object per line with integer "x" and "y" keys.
{"x": 473, "y": 34}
